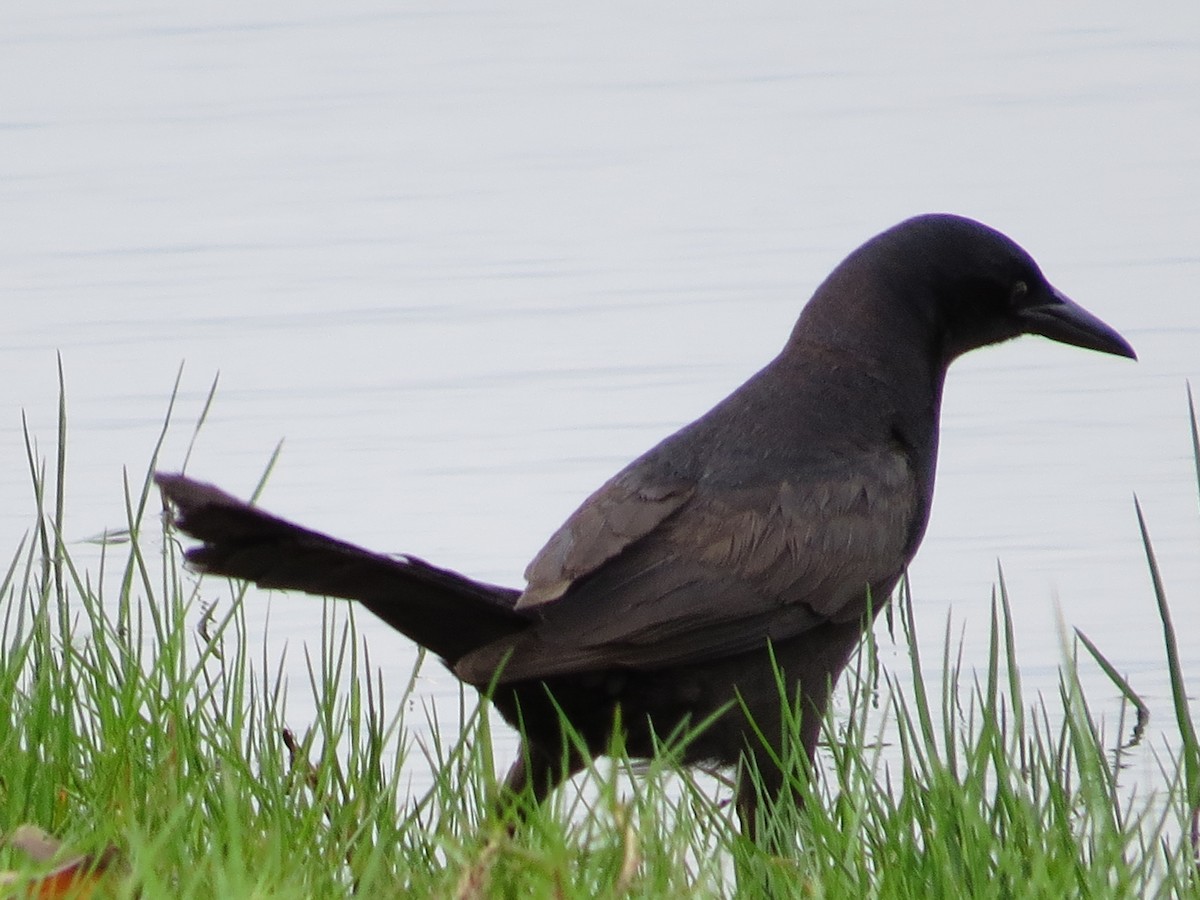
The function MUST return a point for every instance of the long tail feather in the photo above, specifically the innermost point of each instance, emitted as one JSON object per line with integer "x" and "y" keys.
{"x": 442, "y": 610}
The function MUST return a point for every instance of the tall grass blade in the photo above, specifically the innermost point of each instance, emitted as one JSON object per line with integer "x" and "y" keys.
{"x": 201, "y": 419}
{"x": 1122, "y": 684}
{"x": 60, "y": 481}
{"x": 1187, "y": 729}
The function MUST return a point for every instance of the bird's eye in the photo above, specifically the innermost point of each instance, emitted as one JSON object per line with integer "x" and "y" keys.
{"x": 1019, "y": 290}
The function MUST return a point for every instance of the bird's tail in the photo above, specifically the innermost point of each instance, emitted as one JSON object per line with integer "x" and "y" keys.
{"x": 448, "y": 613}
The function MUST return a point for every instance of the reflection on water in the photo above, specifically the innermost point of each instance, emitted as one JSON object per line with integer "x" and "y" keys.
{"x": 469, "y": 263}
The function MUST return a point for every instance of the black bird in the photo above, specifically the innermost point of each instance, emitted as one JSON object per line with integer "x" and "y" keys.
{"x": 747, "y": 547}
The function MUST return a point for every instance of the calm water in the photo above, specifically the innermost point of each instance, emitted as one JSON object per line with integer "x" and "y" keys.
{"x": 469, "y": 259}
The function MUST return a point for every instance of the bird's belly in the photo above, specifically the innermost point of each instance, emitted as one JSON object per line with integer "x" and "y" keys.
{"x": 671, "y": 704}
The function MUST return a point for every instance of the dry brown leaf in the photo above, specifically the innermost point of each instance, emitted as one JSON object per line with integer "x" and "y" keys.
{"x": 76, "y": 878}
{"x": 474, "y": 881}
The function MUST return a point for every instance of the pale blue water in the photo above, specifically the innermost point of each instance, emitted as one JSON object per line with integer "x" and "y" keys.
{"x": 469, "y": 259}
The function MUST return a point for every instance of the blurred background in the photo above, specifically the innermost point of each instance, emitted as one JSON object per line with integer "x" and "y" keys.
{"x": 468, "y": 259}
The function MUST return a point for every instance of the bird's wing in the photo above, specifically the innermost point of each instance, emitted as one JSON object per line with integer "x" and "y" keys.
{"x": 628, "y": 507}
{"x": 726, "y": 570}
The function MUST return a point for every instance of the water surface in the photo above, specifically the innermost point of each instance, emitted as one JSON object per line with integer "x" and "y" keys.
{"x": 469, "y": 260}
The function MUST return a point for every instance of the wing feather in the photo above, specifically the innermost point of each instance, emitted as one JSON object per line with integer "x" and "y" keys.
{"x": 714, "y": 571}
{"x": 625, "y": 509}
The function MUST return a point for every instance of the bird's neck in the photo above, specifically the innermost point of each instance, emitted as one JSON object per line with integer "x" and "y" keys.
{"x": 863, "y": 391}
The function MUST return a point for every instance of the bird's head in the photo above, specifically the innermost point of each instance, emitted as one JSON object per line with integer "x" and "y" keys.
{"x": 973, "y": 286}
{"x": 934, "y": 287}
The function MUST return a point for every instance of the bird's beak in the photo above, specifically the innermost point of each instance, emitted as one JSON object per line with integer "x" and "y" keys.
{"x": 1062, "y": 319}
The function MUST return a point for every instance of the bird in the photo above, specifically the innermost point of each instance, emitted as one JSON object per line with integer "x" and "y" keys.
{"x": 729, "y": 573}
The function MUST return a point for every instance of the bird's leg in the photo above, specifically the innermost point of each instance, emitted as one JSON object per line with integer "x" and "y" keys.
{"x": 762, "y": 786}
{"x": 535, "y": 773}
{"x": 766, "y": 789}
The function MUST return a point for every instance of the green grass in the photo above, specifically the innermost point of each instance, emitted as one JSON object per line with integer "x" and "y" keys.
{"x": 148, "y": 722}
